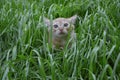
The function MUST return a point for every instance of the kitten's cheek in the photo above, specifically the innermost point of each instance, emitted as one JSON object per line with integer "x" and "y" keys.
{"x": 57, "y": 32}
{"x": 54, "y": 30}
{"x": 65, "y": 31}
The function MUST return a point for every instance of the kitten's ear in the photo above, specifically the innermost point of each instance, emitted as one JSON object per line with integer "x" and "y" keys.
{"x": 46, "y": 21}
{"x": 73, "y": 19}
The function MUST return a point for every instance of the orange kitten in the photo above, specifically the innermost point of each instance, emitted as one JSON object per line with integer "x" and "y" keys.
{"x": 62, "y": 30}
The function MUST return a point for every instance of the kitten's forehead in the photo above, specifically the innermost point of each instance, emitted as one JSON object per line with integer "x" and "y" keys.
{"x": 60, "y": 20}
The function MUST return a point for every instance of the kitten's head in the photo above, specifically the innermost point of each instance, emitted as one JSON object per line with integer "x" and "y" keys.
{"x": 61, "y": 26}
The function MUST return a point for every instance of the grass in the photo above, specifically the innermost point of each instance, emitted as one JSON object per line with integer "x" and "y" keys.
{"x": 26, "y": 55}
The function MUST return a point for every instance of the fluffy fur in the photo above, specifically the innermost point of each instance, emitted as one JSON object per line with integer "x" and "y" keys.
{"x": 62, "y": 30}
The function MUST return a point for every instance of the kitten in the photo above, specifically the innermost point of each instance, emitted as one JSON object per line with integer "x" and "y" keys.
{"x": 62, "y": 31}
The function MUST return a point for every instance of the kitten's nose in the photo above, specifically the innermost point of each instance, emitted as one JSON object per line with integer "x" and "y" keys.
{"x": 61, "y": 29}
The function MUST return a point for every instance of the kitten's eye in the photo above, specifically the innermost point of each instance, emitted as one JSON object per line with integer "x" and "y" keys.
{"x": 66, "y": 24}
{"x": 55, "y": 26}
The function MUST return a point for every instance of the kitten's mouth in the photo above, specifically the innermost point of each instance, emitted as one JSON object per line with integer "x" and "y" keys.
{"x": 61, "y": 33}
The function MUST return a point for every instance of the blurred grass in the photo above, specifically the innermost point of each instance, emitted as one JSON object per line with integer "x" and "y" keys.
{"x": 24, "y": 51}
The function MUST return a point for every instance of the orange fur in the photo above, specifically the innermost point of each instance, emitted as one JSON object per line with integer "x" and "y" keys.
{"x": 62, "y": 31}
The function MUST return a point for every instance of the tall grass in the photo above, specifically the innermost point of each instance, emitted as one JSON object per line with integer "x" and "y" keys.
{"x": 26, "y": 55}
